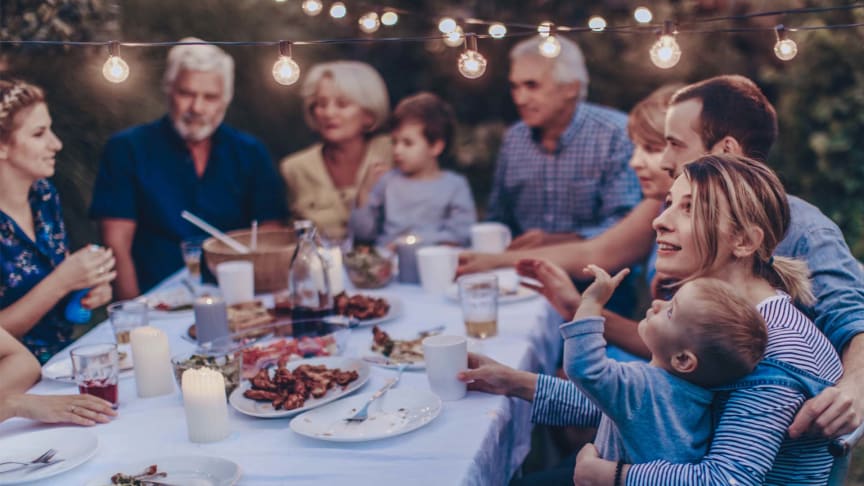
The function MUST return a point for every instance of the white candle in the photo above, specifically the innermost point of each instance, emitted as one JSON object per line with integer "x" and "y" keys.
{"x": 153, "y": 374}
{"x": 334, "y": 269}
{"x": 205, "y": 405}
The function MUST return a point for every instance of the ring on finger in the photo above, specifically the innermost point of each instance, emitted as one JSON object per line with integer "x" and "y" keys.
{"x": 73, "y": 410}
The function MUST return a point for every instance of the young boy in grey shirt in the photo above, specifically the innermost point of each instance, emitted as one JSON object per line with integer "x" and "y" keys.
{"x": 708, "y": 335}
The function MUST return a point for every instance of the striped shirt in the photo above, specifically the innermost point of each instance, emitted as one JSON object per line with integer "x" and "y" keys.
{"x": 584, "y": 186}
{"x": 750, "y": 445}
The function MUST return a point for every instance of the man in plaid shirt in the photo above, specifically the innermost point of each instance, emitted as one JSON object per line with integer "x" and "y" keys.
{"x": 562, "y": 171}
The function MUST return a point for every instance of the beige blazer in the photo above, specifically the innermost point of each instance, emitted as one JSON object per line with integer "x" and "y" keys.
{"x": 310, "y": 190}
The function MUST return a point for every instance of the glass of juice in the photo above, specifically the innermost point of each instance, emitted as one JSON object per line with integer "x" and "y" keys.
{"x": 96, "y": 368}
{"x": 479, "y": 296}
{"x": 191, "y": 249}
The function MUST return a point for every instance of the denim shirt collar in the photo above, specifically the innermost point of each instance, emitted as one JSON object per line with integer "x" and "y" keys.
{"x": 175, "y": 139}
{"x": 569, "y": 133}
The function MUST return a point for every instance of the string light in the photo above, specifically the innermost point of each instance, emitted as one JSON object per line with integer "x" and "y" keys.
{"x": 597, "y": 23}
{"x": 285, "y": 71}
{"x": 447, "y": 25}
{"x": 550, "y": 47}
{"x": 455, "y": 38}
{"x": 338, "y": 10}
{"x": 545, "y": 29}
{"x": 665, "y": 53}
{"x": 642, "y": 15}
{"x": 312, "y": 7}
{"x": 472, "y": 64}
{"x": 497, "y": 30}
{"x": 369, "y": 23}
{"x": 115, "y": 68}
{"x": 389, "y": 18}
{"x": 785, "y": 49}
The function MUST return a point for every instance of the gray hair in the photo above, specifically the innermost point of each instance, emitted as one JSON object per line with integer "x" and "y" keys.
{"x": 358, "y": 81}
{"x": 568, "y": 67}
{"x": 203, "y": 57}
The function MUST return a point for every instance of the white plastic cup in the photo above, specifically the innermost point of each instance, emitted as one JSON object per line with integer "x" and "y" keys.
{"x": 437, "y": 265}
{"x": 236, "y": 281}
{"x": 445, "y": 357}
{"x": 490, "y": 237}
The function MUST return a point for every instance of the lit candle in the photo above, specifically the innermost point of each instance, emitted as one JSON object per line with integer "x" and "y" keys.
{"x": 205, "y": 405}
{"x": 211, "y": 319}
{"x": 153, "y": 374}
{"x": 406, "y": 249}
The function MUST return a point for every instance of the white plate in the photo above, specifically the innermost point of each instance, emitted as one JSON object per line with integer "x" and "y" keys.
{"x": 385, "y": 362}
{"x": 395, "y": 312}
{"x": 74, "y": 445}
{"x": 61, "y": 370}
{"x": 522, "y": 293}
{"x": 182, "y": 471}
{"x": 398, "y": 412}
{"x": 265, "y": 409}
{"x": 176, "y": 296}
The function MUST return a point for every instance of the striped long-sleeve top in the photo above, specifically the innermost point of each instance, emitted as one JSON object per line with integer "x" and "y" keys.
{"x": 750, "y": 444}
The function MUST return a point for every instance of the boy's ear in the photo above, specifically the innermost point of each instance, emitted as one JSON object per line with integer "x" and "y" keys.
{"x": 684, "y": 361}
{"x": 437, "y": 148}
{"x": 727, "y": 145}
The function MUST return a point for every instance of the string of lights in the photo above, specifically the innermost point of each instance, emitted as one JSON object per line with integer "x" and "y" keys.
{"x": 664, "y": 53}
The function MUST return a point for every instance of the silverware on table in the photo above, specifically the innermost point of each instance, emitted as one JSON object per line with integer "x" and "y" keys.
{"x": 363, "y": 413}
{"x": 45, "y": 459}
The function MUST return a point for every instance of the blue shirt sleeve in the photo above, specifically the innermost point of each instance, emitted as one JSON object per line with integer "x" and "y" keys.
{"x": 620, "y": 188}
{"x": 366, "y": 222}
{"x": 560, "y": 402}
{"x": 112, "y": 193}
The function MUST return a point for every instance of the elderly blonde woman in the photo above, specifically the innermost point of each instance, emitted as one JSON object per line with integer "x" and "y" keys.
{"x": 187, "y": 160}
{"x": 345, "y": 102}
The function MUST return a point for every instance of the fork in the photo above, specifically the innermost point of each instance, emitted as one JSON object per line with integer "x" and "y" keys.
{"x": 42, "y": 460}
{"x": 363, "y": 413}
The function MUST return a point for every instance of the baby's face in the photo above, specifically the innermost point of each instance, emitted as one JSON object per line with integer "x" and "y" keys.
{"x": 664, "y": 327}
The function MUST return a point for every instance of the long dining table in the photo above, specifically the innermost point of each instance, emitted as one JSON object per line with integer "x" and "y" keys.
{"x": 481, "y": 439}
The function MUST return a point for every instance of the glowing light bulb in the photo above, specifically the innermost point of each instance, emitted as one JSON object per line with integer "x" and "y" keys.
{"x": 544, "y": 29}
{"x": 550, "y": 47}
{"x": 497, "y": 30}
{"x": 665, "y": 53}
{"x": 338, "y": 10}
{"x": 472, "y": 64}
{"x": 115, "y": 69}
{"x": 642, "y": 15}
{"x": 455, "y": 38}
{"x": 389, "y": 18}
{"x": 786, "y": 49}
{"x": 369, "y": 23}
{"x": 447, "y": 25}
{"x": 597, "y": 23}
{"x": 286, "y": 71}
{"x": 312, "y": 7}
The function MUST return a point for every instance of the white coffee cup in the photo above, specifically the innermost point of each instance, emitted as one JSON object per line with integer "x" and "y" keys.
{"x": 445, "y": 357}
{"x": 437, "y": 266}
{"x": 490, "y": 237}
{"x": 236, "y": 281}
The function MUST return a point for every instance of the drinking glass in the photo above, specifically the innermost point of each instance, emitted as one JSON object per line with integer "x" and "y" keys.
{"x": 479, "y": 296}
{"x": 191, "y": 249}
{"x": 96, "y": 369}
{"x": 125, "y": 316}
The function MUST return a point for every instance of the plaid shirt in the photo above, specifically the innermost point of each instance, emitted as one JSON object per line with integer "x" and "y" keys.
{"x": 584, "y": 186}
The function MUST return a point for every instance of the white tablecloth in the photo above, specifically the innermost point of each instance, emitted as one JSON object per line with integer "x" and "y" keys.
{"x": 479, "y": 440}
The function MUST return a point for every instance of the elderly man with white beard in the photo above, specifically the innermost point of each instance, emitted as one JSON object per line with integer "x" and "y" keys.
{"x": 186, "y": 160}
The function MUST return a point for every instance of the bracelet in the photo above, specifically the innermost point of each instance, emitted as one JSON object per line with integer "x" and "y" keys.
{"x": 618, "y": 469}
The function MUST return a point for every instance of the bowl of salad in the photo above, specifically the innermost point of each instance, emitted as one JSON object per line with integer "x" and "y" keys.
{"x": 370, "y": 268}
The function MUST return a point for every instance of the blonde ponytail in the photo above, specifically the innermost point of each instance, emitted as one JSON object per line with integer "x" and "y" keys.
{"x": 790, "y": 275}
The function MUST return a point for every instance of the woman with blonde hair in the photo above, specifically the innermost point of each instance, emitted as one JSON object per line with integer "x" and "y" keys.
{"x": 346, "y": 103}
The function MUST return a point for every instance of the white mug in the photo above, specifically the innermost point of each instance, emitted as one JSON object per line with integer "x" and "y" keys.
{"x": 236, "y": 281}
{"x": 445, "y": 357}
{"x": 437, "y": 265}
{"x": 490, "y": 237}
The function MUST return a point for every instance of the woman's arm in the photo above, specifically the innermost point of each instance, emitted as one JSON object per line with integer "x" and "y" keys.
{"x": 117, "y": 234}
{"x": 19, "y": 369}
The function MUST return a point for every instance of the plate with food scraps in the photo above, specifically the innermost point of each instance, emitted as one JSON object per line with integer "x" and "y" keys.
{"x": 175, "y": 471}
{"x": 368, "y": 309}
{"x": 74, "y": 447}
{"x": 274, "y": 391}
{"x": 61, "y": 369}
{"x": 178, "y": 298}
{"x": 399, "y": 411}
{"x": 390, "y": 353}
{"x": 505, "y": 295}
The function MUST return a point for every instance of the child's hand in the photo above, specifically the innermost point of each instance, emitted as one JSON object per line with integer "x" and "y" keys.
{"x": 556, "y": 284}
{"x": 600, "y": 291}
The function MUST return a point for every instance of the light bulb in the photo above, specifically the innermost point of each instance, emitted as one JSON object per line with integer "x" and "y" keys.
{"x": 389, "y": 18}
{"x": 472, "y": 64}
{"x": 447, "y": 25}
{"x": 455, "y": 38}
{"x": 115, "y": 69}
{"x": 544, "y": 29}
{"x": 369, "y": 23}
{"x": 286, "y": 71}
{"x": 597, "y": 23}
{"x": 785, "y": 49}
{"x": 642, "y": 15}
{"x": 312, "y": 7}
{"x": 338, "y": 10}
{"x": 665, "y": 53}
{"x": 550, "y": 47}
{"x": 497, "y": 30}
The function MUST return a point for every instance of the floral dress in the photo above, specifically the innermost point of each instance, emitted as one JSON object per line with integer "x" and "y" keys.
{"x": 24, "y": 263}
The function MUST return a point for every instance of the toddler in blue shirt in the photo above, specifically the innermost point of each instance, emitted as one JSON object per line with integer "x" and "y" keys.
{"x": 417, "y": 196}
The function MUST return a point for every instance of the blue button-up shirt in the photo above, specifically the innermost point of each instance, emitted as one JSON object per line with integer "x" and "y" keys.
{"x": 25, "y": 262}
{"x": 147, "y": 174}
{"x": 584, "y": 186}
